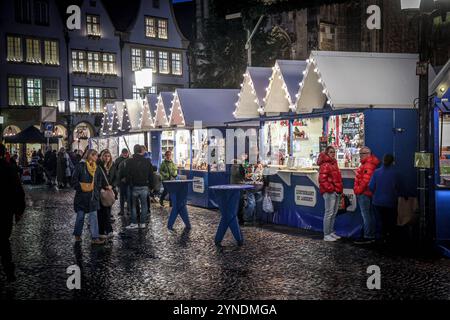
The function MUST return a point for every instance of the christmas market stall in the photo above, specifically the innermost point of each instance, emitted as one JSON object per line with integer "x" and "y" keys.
{"x": 346, "y": 100}
{"x": 199, "y": 116}
{"x": 440, "y": 88}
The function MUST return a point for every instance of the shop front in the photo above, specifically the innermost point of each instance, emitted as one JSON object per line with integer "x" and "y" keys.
{"x": 200, "y": 146}
{"x": 338, "y": 104}
{"x": 441, "y": 110}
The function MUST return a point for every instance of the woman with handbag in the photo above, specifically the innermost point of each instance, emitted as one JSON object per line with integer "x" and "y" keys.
{"x": 107, "y": 195}
{"x": 87, "y": 183}
{"x": 330, "y": 183}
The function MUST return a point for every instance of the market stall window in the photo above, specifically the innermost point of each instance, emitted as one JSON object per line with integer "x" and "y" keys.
{"x": 444, "y": 147}
{"x": 167, "y": 141}
{"x": 306, "y": 134}
{"x": 346, "y": 133}
{"x": 182, "y": 149}
{"x": 216, "y": 152}
{"x": 276, "y": 141}
{"x": 200, "y": 149}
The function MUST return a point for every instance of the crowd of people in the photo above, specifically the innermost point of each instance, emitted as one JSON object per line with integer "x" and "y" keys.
{"x": 132, "y": 180}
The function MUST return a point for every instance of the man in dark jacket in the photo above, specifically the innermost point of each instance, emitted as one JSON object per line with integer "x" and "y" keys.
{"x": 121, "y": 181}
{"x": 12, "y": 198}
{"x": 139, "y": 173}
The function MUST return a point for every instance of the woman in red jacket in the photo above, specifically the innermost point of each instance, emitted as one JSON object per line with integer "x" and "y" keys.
{"x": 361, "y": 188}
{"x": 330, "y": 182}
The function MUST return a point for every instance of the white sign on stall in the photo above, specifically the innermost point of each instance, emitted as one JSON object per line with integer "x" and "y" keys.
{"x": 305, "y": 196}
{"x": 182, "y": 177}
{"x": 351, "y": 196}
{"x": 198, "y": 185}
{"x": 276, "y": 191}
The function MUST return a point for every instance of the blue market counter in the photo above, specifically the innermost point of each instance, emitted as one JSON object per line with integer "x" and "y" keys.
{"x": 443, "y": 218}
{"x": 298, "y": 202}
{"x": 199, "y": 193}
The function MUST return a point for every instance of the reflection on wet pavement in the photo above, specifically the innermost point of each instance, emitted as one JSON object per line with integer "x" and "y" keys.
{"x": 155, "y": 263}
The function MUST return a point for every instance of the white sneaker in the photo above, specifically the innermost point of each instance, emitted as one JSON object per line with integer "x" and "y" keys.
{"x": 142, "y": 225}
{"x": 132, "y": 226}
{"x": 329, "y": 238}
{"x": 334, "y": 235}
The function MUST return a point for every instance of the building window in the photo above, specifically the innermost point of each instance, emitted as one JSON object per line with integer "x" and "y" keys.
{"x": 109, "y": 63}
{"x": 14, "y": 45}
{"x": 162, "y": 28}
{"x": 136, "y": 60}
{"x": 79, "y": 95}
{"x": 136, "y": 93}
{"x": 150, "y": 27}
{"x": 51, "y": 92}
{"x": 152, "y": 89}
{"x": 78, "y": 61}
{"x": 93, "y": 59}
{"x": 15, "y": 92}
{"x": 176, "y": 64}
{"x": 41, "y": 12}
{"x": 34, "y": 92}
{"x": 156, "y": 4}
{"x": 23, "y": 11}
{"x": 163, "y": 62}
{"x": 51, "y": 52}
{"x": 93, "y": 25}
{"x": 33, "y": 51}
{"x": 95, "y": 99}
{"x": 150, "y": 59}
{"x": 91, "y": 99}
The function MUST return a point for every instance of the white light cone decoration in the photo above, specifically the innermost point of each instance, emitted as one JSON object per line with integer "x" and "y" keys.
{"x": 134, "y": 113}
{"x": 176, "y": 117}
{"x": 146, "y": 121}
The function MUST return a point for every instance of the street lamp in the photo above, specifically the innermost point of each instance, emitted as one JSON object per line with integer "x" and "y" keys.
{"x": 143, "y": 80}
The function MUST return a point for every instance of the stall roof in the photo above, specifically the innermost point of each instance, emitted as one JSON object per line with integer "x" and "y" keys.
{"x": 213, "y": 107}
{"x": 284, "y": 85}
{"x": 163, "y": 107}
{"x": 152, "y": 100}
{"x": 359, "y": 80}
{"x": 30, "y": 135}
{"x": 108, "y": 117}
{"x": 134, "y": 110}
{"x": 441, "y": 83}
{"x": 253, "y": 91}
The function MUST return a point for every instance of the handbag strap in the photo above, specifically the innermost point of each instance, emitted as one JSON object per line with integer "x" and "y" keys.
{"x": 105, "y": 176}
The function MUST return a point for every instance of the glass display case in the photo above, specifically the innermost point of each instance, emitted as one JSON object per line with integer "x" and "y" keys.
{"x": 306, "y": 134}
{"x": 200, "y": 149}
{"x": 346, "y": 133}
{"x": 167, "y": 141}
{"x": 182, "y": 149}
{"x": 216, "y": 153}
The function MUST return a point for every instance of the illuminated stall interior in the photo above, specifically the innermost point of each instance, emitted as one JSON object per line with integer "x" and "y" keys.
{"x": 213, "y": 107}
{"x": 306, "y": 134}
{"x": 162, "y": 114}
{"x": 444, "y": 148}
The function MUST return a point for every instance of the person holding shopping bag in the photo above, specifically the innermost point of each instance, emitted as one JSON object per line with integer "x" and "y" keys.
{"x": 87, "y": 182}
{"x": 330, "y": 183}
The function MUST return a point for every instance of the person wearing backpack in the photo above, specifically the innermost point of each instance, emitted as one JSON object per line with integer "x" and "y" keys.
{"x": 168, "y": 171}
{"x": 369, "y": 163}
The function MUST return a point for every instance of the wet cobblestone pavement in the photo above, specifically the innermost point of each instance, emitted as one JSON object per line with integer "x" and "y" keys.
{"x": 273, "y": 263}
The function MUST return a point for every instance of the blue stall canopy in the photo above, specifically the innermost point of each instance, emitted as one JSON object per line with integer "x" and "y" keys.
{"x": 283, "y": 86}
{"x": 163, "y": 109}
{"x": 359, "y": 80}
{"x": 253, "y": 91}
{"x": 213, "y": 107}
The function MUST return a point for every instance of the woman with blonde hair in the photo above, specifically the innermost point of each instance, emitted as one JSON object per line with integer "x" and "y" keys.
{"x": 87, "y": 182}
{"x": 108, "y": 172}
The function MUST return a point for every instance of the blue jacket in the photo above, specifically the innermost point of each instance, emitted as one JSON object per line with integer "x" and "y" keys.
{"x": 87, "y": 201}
{"x": 385, "y": 186}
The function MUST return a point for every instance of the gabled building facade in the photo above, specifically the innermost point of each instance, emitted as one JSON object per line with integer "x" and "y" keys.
{"x": 44, "y": 64}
